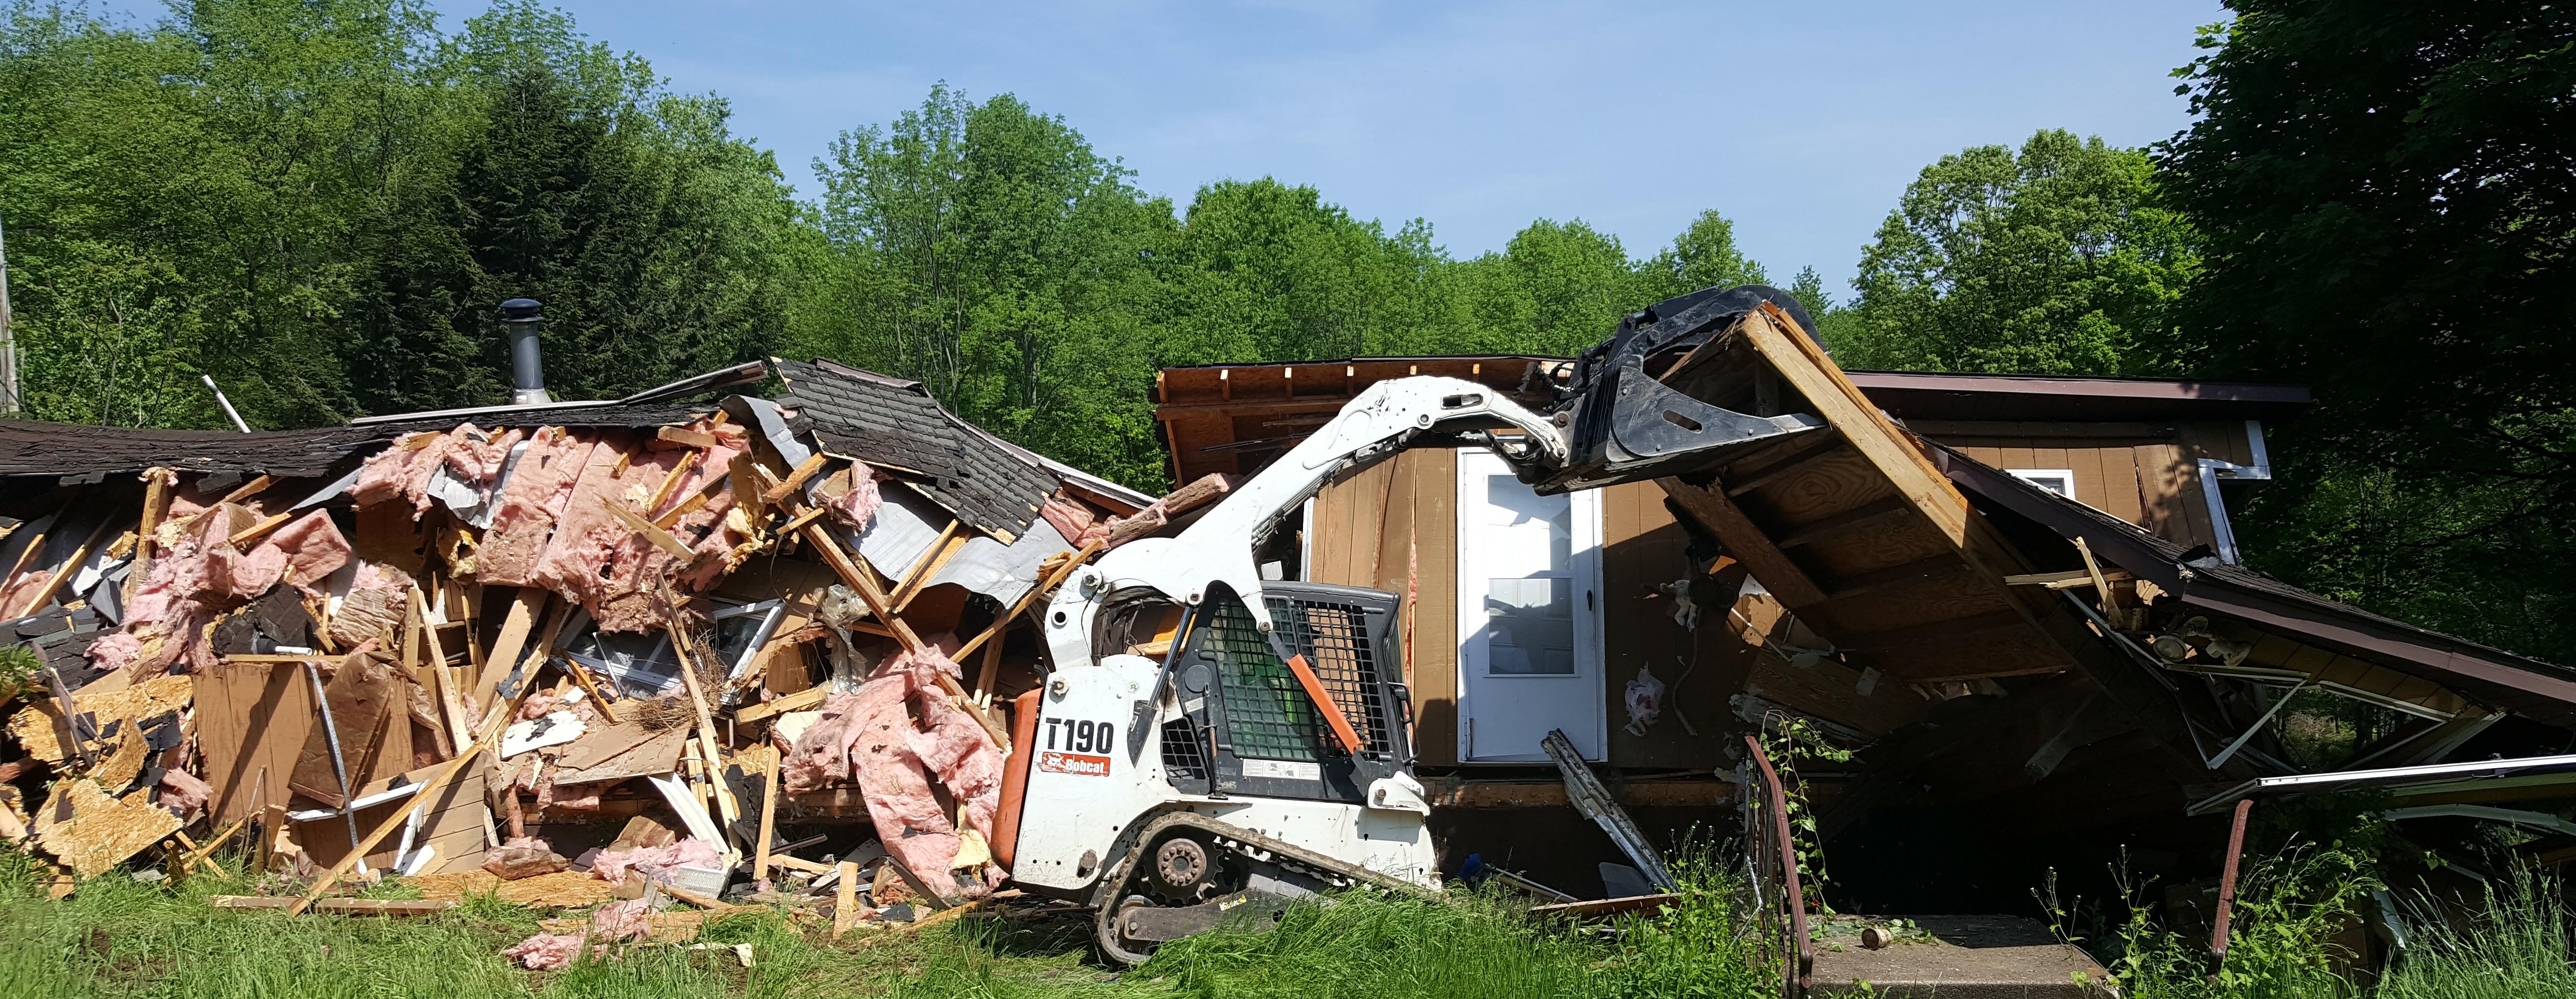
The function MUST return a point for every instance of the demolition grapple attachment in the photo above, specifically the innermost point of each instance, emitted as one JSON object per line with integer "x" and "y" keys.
{"x": 1625, "y": 419}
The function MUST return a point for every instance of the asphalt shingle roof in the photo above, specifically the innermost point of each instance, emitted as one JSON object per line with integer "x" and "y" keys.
{"x": 895, "y": 423}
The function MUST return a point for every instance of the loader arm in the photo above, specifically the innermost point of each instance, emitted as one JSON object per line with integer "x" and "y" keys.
{"x": 1383, "y": 420}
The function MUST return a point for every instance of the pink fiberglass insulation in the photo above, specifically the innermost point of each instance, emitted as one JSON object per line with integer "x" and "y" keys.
{"x": 531, "y": 502}
{"x": 182, "y": 792}
{"x": 870, "y": 735}
{"x": 546, "y": 951}
{"x": 897, "y": 790}
{"x": 858, "y": 506}
{"x": 616, "y": 922}
{"x": 594, "y": 558}
{"x": 301, "y": 553}
{"x": 387, "y": 474}
{"x": 654, "y": 861}
{"x": 168, "y": 609}
{"x": 378, "y": 602}
{"x": 314, "y": 549}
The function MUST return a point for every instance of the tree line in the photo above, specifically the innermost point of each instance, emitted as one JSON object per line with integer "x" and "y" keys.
{"x": 319, "y": 203}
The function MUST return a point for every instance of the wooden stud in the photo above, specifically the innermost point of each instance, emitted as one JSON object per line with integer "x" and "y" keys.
{"x": 706, "y": 724}
{"x": 248, "y": 489}
{"x": 1746, "y": 541}
{"x": 768, "y": 819}
{"x": 63, "y": 573}
{"x": 940, "y": 551}
{"x": 259, "y": 530}
{"x": 513, "y": 639}
{"x": 802, "y": 700}
{"x": 845, "y": 900}
{"x": 679, "y": 470}
{"x": 685, "y": 436}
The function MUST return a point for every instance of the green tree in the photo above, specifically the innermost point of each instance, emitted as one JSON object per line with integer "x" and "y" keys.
{"x": 2385, "y": 193}
{"x": 1703, "y": 256}
{"x": 2060, "y": 258}
{"x": 986, "y": 250}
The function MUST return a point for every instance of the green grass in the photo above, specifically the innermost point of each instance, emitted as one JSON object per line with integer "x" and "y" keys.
{"x": 122, "y": 938}
{"x": 117, "y": 937}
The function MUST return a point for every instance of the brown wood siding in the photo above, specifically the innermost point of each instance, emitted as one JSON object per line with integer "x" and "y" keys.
{"x": 1642, "y": 548}
{"x": 2148, "y": 475}
{"x": 1394, "y": 527}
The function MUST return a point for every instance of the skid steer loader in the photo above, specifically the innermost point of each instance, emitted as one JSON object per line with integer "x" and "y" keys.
{"x": 1261, "y": 752}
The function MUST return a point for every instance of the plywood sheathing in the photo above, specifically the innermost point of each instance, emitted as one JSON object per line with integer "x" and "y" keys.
{"x": 40, "y": 726}
{"x": 92, "y": 832}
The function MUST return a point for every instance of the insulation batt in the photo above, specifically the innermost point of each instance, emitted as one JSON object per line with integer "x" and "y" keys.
{"x": 546, "y": 951}
{"x": 470, "y": 456}
{"x": 200, "y": 571}
{"x": 653, "y": 861}
{"x": 182, "y": 793}
{"x": 858, "y": 506}
{"x": 531, "y": 502}
{"x": 872, "y": 735}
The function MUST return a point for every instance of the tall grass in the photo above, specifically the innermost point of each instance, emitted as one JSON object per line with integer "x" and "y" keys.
{"x": 2518, "y": 946}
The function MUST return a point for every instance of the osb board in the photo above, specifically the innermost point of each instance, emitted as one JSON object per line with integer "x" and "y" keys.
{"x": 252, "y": 717}
{"x": 1642, "y": 548}
{"x": 1394, "y": 528}
{"x": 92, "y": 833}
{"x": 559, "y": 890}
{"x": 40, "y": 728}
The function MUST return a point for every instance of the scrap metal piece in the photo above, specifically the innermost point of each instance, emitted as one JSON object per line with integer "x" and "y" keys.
{"x": 1585, "y": 792}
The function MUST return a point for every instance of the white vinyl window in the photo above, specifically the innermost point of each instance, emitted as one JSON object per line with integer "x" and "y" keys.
{"x": 2056, "y": 480}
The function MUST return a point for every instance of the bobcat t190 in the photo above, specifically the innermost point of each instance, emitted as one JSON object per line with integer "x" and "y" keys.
{"x": 1264, "y": 755}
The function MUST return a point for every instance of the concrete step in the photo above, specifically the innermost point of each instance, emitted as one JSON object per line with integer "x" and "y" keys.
{"x": 1954, "y": 957}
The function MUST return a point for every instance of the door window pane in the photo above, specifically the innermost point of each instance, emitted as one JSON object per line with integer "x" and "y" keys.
{"x": 1529, "y": 626}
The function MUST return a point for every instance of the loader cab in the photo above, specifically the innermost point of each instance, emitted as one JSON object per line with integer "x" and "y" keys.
{"x": 1235, "y": 720}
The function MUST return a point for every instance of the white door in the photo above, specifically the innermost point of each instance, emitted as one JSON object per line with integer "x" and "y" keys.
{"x": 1529, "y": 622}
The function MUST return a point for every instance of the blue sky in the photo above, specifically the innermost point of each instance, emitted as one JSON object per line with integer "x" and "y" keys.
{"x": 1802, "y": 122}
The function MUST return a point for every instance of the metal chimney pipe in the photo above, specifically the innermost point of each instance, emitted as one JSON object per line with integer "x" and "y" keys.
{"x": 524, "y": 318}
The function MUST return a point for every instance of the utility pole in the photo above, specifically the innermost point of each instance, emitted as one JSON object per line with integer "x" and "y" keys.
{"x": 8, "y": 340}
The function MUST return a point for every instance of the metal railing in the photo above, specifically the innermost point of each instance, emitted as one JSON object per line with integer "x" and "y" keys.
{"x": 1775, "y": 867}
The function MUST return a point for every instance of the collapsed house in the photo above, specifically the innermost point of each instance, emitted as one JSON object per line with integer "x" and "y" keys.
{"x": 569, "y": 652}
{"x": 489, "y": 647}
{"x": 2016, "y": 600}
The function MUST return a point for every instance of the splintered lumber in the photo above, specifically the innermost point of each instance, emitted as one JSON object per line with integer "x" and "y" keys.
{"x": 259, "y": 530}
{"x": 341, "y": 906}
{"x": 845, "y": 899}
{"x": 660, "y": 538}
{"x": 467, "y": 753}
{"x": 1045, "y": 585}
{"x": 803, "y": 700}
{"x": 63, "y": 573}
{"x": 794, "y": 480}
{"x": 558, "y": 890}
{"x": 706, "y": 725}
{"x": 768, "y": 820}
{"x": 858, "y": 579}
{"x": 685, "y": 436}
{"x": 513, "y": 639}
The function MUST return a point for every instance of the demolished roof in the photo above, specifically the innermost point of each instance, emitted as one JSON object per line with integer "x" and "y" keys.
{"x": 2529, "y": 686}
{"x": 895, "y": 423}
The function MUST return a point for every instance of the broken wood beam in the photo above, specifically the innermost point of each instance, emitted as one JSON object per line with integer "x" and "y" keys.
{"x": 1746, "y": 541}
{"x": 795, "y": 479}
{"x": 651, "y": 532}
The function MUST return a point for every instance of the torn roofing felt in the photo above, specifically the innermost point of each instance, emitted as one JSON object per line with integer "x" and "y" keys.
{"x": 895, "y": 424}
{"x": 2532, "y": 687}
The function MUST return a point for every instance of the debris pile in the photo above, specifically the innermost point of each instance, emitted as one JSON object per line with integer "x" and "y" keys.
{"x": 617, "y": 655}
